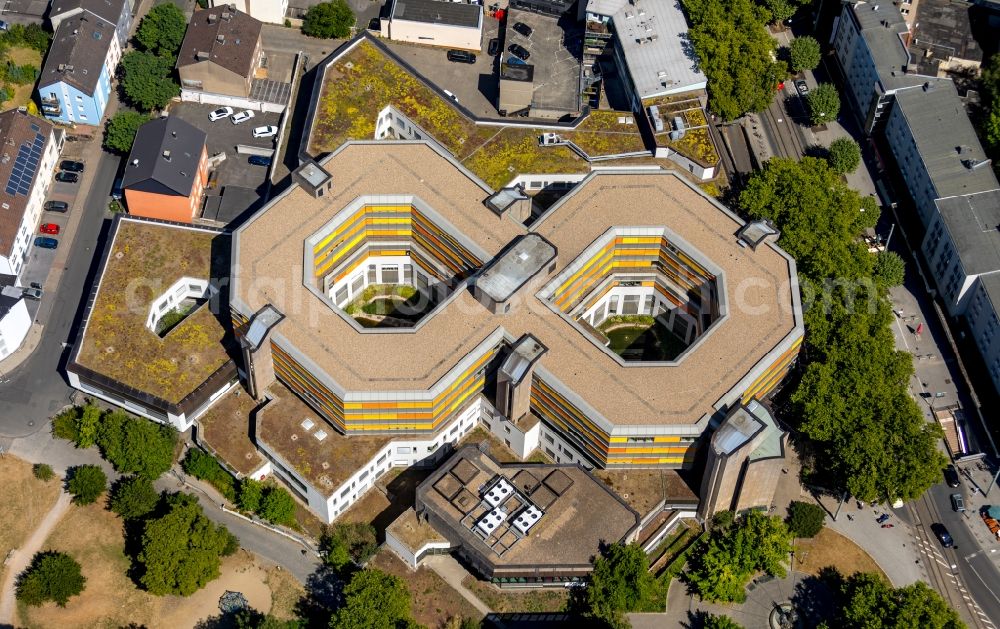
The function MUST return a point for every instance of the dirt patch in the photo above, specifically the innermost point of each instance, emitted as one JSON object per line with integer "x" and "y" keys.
{"x": 432, "y": 601}
{"x": 285, "y": 593}
{"x": 529, "y": 601}
{"x": 830, "y": 548}
{"x": 93, "y": 536}
{"x": 26, "y": 500}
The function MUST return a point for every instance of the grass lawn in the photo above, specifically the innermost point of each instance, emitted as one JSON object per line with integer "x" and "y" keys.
{"x": 22, "y": 93}
{"x": 25, "y": 501}
{"x": 508, "y": 601}
{"x": 285, "y": 593}
{"x": 830, "y": 548}
{"x": 432, "y": 600}
{"x": 93, "y": 536}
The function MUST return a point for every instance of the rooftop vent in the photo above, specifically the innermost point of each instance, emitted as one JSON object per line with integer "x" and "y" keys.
{"x": 166, "y": 155}
{"x": 320, "y": 435}
{"x": 928, "y": 87}
{"x": 308, "y": 423}
{"x": 135, "y": 162}
{"x": 220, "y": 38}
{"x": 201, "y": 55}
{"x": 226, "y": 15}
{"x": 212, "y": 17}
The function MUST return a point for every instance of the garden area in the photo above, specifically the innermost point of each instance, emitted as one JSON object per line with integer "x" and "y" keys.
{"x": 21, "y": 50}
{"x": 389, "y": 305}
{"x": 696, "y": 144}
{"x": 360, "y": 84}
{"x": 641, "y": 338}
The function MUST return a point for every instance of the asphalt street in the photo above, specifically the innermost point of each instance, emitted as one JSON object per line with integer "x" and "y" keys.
{"x": 37, "y": 388}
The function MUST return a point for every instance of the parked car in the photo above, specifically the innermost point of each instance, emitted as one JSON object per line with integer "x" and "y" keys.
{"x": 941, "y": 532}
{"x": 243, "y": 116}
{"x": 32, "y": 293}
{"x": 56, "y": 206}
{"x": 957, "y": 503}
{"x": 4, "y": 26}
{"x": 71, "y": 165}
{"x": 36, "y": 285}
{"x": 519, "y": 51}
{"x": 259, "y": 160}
{"x": 451, "y": 95}
{"x": 951, "y": 476}
{"x": 494, "y": 47}
{"x": 802, "y": 88}
{"x": 49, "y": 228}
{"x": 118, "y": 188}
{"x": 220, "y": 113}
{"x": 265, "y": 132}
{"x": 523, "y": 29}
{"x": 461, "y": 56}
{"x": 46, "y": 243}
{"x": 66, "y": 176}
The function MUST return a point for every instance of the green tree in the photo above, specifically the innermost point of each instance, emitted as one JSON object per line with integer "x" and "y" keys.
{"x": 756, "y": 542}
{"x": 344, "y": 542}
{"x": 277, "y": 506}
{"x": 890, "y": 270}
{"x": 133, "y": 497}
{"x": 329, "y": 19}
{"x": 823, "y": 103}
{"x": 43, "y": 472}
{"x": 162, "y": 30}
{"x": 51, "y": 576}
{"x": 720, "y": 622}
{"x": 181, "y": 549}
{"x": 87, "y": 426}
{"x": 805, "y": 519}
{"x": 869, "y": 601}
{"x": 148, "y": 80}
{"x": 65, "y": 425}
{"x": 120, "y": 130}
{"x": 735, "y": 53}
{"x": 844, "y": 156}
{"x": 619, "y": 581}
{"x": 804, "y": 53}
{"x": 251, "y": 492}
{"x": 136, "y": 446}
{"x": 373, "y": 600}
{"x": 86, "y": 483}
{"x": 204, "y": 466}
{"x": 779, "y": 10}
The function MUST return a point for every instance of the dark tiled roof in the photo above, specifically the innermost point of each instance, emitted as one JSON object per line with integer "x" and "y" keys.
{"x": 943, "y": 30}
{"x": 159, "y": 174}
{"x": 18, "y": 133}
{"x": 79, "y": 46}
{"x": 110, "y": 10}
{"x": 239, "y": 34}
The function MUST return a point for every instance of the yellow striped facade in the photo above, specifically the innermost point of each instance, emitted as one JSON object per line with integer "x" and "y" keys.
{"x": 773, "y": 374}
{"x": 635, "y": 255}
{"x": 370, "y": 416}
{"x": 403, "y": 225}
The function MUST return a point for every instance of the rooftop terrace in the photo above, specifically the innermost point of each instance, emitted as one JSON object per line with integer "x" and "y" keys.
{"x": 365, "y": 79}
{"x": 143, "y": 260}
{"x": 696, "y": 144}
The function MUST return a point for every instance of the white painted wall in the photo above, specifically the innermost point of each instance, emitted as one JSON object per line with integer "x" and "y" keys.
{"x": 184, "y": 288}
{"x": 269, "y": 11}
{"x": 443, "y": 35}
{"x": 14, "y": 326}
{"x": 236, "y": 102}
{"x": 412, "y": 559}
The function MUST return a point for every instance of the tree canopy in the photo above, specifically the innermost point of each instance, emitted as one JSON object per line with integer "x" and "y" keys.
{"x": 804, "y": 53}
{"x": 162, "y": 30}
{"x": 844, "y": 156}
{"x": 866, "y": 600}
{"x": 620, "y": 580}
{"x": 277, "y": 506}
{"x": 133, "y": 497}
{"x": 890, "y": 270}
{"x": 823, "y": 103}
{"x": 51, "y": 576}
{"x": 720, "y": 622}
{"x": 136, "y": 446}
{"x": 329, "y": 19}
{"x": 148, "y": 80}
{"x": 373, "y": 600}
{"x": 86, "y": 483}
{"x": 735, "y": 53}
{"x": 120, "y": 130}
{"x": 181, "y": 549}
{"x": 865, "y": 430}
{"x": 805, "y": 519}
{"x": 755, "y": 542}
{"x": 344, "y": 542}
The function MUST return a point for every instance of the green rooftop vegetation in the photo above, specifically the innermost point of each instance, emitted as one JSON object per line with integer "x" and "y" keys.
{"x": 145, "y": 260}
{"x": 696, "y": 144}
{"x": 364, "y": 81}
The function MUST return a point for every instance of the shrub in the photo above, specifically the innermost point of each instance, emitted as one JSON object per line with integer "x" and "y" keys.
{"x": 136, "y": 446}
{"x": 133, "y": 497}
{"x": 120, "y": 130}
{"x": 251, "y": 492}
{"x": 86, "y": 483}
{"x": 203, "y": 466}
{"x": 805, "y": 519}
{"x": 345, "y": 542}
{"x": 328, "y": 19}
{"x": 844, "y": 156}
{"x": 64, "y": 424}
{"x": 277, "y": 506}
{"x": 87, "y": 426}
{"x": 51, "y": 576}
{"x": 43, "y": 471}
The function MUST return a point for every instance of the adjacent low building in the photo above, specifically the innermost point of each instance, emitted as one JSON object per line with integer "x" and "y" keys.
{"x": 166, "y": 171}
{"x": 435, "y": 23}
{"x": 15, "y": 320}
{"x": 267, "y": 11}
{"x": 29, "y": 150}
{"x": 219, "y": 59}
{"x": 153, "y": 338}
{"x": 74, "y": 85}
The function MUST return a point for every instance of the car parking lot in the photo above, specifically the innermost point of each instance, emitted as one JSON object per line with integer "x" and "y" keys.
{"x": 224, "y": 137}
